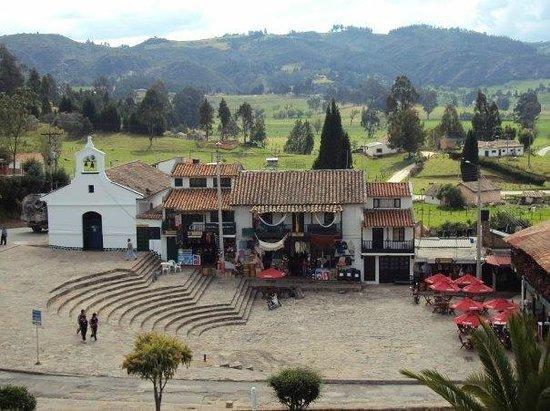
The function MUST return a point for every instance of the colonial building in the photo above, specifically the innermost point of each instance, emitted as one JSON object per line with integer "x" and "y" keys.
{"x": 490, "y": 193}
{"x": 388, "y": 233}
{"x": 531, "y": 261}
{"x": 100, "y": 209}
{"x": 499, "y": 148}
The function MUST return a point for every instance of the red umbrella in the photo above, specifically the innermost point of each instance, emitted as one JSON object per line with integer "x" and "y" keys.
{"x": 437, "y": 278}
{"x": 445, "y": 287}
{"x": 467, "y": 279}
{"x": 467, "y": 319}
{"x": 478, "y": 288}
{"x": 499, "y": 304}
{"x": 467, "y": 304}
{"x": 270, "y": 274}
{"x": 502, "y": 317}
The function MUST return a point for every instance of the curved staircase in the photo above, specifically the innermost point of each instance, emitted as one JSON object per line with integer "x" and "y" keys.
{"x": 130, "y": 297}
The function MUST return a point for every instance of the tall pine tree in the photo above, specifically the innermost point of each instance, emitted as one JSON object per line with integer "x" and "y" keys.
{"x": 486, "y": 122}
{"x": 470, "y": 158}
{"x": 10, "y": 75}
{"x": 335, "y": 148}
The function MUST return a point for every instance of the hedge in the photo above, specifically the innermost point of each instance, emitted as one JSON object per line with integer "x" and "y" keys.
{"x": 520, "y": 175}
{"x": 16, "y": 398}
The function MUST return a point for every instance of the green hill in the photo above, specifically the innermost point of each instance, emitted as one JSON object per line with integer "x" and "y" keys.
{"x": 239, "y": 63}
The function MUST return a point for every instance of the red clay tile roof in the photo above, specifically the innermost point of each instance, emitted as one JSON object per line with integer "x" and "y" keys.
{"x": 23, "y": 157}
{"x": 534, "y": 241}
{"x": 388, "y": 190}
{"x": 154, "y": 214}
{"x": 140, "y": 177}
{"x": 388, "y": 218}
{"x": 206, "y": 170}
{"x": 196, "y": 199}
{"x": 299, "y": 187}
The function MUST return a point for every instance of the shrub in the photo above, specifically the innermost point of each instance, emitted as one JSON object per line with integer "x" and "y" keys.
{"x": 296, "y": 388}
{"x": 522, "y": 176}
{"x": 16, "y": 398}
{"x": 451, "y": 196}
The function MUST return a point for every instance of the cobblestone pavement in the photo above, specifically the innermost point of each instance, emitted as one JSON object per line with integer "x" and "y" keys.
{"x": 107, "y": 393}
{"x": 369, "y": 335}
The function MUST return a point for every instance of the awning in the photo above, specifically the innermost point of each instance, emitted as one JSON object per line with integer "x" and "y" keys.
{"x": 297, "y": 208}
{"x": 499, "y": 260}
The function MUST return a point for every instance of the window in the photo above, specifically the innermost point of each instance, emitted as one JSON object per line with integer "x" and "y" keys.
{"x": 398, "y": 234}
{"x": 379, "y": 150}
{"x": 197, "y": 182}
{"x": 178, "y": 182}
{"x": 227, "y": 216}
{"x": 328, "y": 218}
{"x": 91, "y": 188}
{"x": 376, "y": 203}
{"x": 226, "y": 182}
{"x": 397, "y": 203}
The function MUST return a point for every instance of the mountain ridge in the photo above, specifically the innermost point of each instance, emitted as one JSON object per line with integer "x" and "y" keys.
{"x": 237, "y": 63}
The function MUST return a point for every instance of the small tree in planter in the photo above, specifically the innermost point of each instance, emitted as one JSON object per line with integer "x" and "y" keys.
{"x": 156, "y": 357}
{"x": 296, "y": 388}
{"x": 16, "y": 398}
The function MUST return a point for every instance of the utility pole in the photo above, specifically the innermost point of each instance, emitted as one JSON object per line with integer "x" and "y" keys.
{"x": 220, "y": 214}
{"x": 479, "y": 228}
{"x": 53, "y": 154}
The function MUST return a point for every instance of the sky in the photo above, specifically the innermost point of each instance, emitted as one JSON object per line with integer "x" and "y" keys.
{"x": 133, "y": 21}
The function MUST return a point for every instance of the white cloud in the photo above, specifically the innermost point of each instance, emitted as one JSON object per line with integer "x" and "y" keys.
{"x": 129, "y": 22}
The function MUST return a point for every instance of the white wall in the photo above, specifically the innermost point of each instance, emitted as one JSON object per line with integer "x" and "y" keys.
{"x": 432, "y": 200}
{"x": 243, "y": 219}
{"x": 406, "y": 203}
{"x": 352, "y": 216}
{"x": 500, "y": 152}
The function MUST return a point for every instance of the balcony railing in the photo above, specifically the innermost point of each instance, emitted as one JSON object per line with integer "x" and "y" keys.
{"x": 319, "y": 229}
{"x": 229, "y": 227}
{"x": 387, "y": 246}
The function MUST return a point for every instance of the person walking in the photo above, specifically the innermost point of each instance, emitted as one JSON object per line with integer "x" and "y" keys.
{"x": 82, "y": 324}
{"x": 94, "y": 321}
{"x": 4, "y": 236}
{"x": 130, "y": 253}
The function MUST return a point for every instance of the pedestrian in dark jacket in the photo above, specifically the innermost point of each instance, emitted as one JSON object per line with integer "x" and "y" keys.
{"x": 94, "y": 321}
{"x": 82, "y": 324}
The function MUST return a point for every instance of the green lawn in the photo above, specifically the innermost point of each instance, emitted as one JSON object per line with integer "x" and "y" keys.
{"x": 434, "y": 216}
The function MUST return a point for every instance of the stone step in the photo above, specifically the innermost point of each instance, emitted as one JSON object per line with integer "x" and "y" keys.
{"x": 195, "y": 319}
{"x": 125, "y": 300}
{"x": 240, "y": 319}
{"x": 175, "y": 313}
{"x": 129, "y": 284}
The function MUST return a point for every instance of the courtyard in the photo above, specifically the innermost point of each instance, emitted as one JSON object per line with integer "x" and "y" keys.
{"x": 367, "y": 335}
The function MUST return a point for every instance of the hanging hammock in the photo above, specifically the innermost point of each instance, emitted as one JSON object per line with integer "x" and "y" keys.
{"x": 272, "y": 225}
{"x": 325, "y": 226}
{"x": 264, "y": 245}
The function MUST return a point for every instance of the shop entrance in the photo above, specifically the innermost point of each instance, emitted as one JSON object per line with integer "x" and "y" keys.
{"x": 142, "y": 236}
{"x": 394, "y": 269}
{"x": 92, "y": 231}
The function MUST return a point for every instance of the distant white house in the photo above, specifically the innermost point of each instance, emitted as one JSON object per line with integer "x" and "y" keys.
{"x": 499, "y": 148}
{"x": 378, "y": 148}
{"x": 430, "y": 195}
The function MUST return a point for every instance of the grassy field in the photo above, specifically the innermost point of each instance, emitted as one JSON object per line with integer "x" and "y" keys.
{"x": 434, "y": 216}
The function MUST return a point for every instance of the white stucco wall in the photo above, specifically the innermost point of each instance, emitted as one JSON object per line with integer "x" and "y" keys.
{"x": 352, "y": 217}
{"x": 406, "y": 203}
{"x": 243, "y": 219}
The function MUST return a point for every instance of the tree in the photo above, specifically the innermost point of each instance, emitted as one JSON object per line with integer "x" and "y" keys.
{"x": 16, "y": 398}
{"x": 206, "y": 117}
{"x": 402, "y": 95}
{"x": 15, "y": 121}
{"x": 352, "y": 115}
{"x": 246, "y": 115}
{"x": 503, "y": 384}
{"x": 156, "y": 357}
{"x": 507, "y": 222}
{"x": 154, "y": 110}
{"x": 527, "y": 137}
{"x": 224, "y": 114}
{"x": 34, "y": 82}
{"x": 527, "y": 109}
{"x": 109, "y": 119}
{"x": 10, "y": 74}
{"x": 300, "y": 140}
{"x": 89, "y": 111}
{"x": 186, "y": 106}
{"x": 503, "y": 102}
{"x": 296, "y": 388}
{"x": 370, "y": 121}
{"x": 317, "y": 125}
{"x": 451, "y": 195}
{"x": 258, "y": 135}
{"x": 486, "y": 122}
{"x": 450, "y": 124}
{"x": 406, "y": 131}
{"x": 74, "y": 124}
{"x": 470, "y": 158}
{"x": 314, "y": 103}
{"x": 509, "y": 132}
{"x": 428, "y": 100}
{"x": 335, "y": 149}
{"x": 49, "y": 88}
{"x": 66, "y": 104}
{"x": 50, "y": 147}
{"x": 376, "y": 94}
